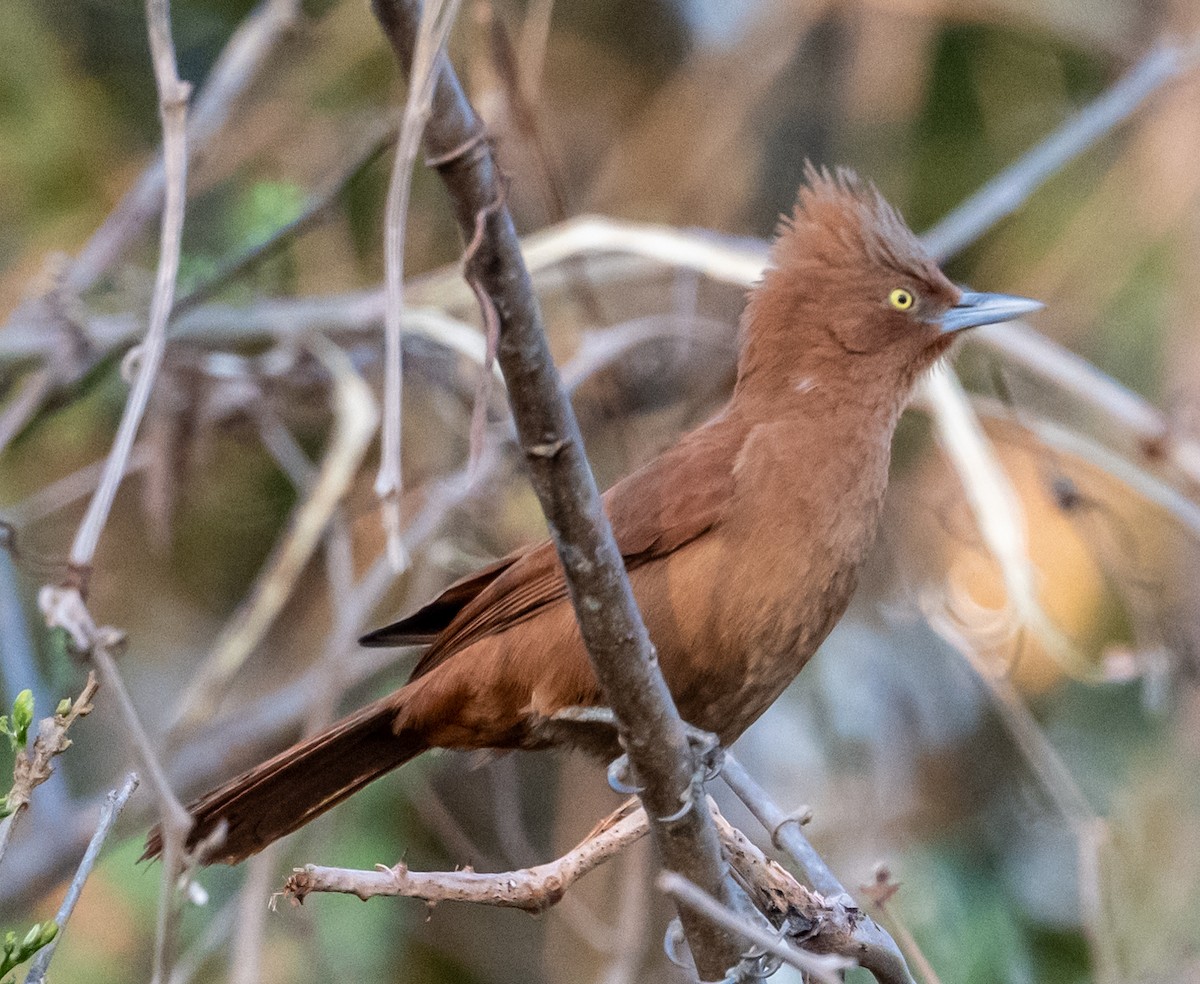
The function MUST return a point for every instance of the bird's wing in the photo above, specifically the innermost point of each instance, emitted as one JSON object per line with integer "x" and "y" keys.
{"x": 425, "y": 624}
{"x": 654, "y": 511}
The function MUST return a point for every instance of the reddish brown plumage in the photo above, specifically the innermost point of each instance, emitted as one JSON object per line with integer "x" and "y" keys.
{"x": 743, "y": 541}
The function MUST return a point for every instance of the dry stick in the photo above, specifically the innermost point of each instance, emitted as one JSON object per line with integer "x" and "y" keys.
{"x": 214, "y": 937}
{"x": 172, "y": 95}
{"x": 612, "y": 629}
{"x": 815, "y": 923}
{"x": 431, "y": 33}
{"x": 908, "y": 942}
{"x": 69, "y": 489}
{"x": 114, "y": 803}
{"x": 880, "y": 954}
{"x": 245, "y": 959}
{"x": 533, "y": 42}
{"x": 531, "y": 889}
{"x": 627, "y": 949}
{"x": 821, "y": 967}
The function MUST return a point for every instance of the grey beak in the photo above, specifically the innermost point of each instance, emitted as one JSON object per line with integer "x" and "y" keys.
{"x": 974, "y": 309}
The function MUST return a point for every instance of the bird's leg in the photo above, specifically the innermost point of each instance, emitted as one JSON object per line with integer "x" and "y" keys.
{"x": 592, "y": 717}
{"x": 705, "y": 744}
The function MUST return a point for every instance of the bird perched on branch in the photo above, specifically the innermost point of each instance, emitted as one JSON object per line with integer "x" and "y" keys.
{"x": 743, "y": 542}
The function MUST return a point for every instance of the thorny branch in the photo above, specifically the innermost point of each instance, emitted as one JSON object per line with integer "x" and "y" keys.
{"x": 548, "y": 433}
{"x": 531, "y": 889}
{"x": 830, "y": 931}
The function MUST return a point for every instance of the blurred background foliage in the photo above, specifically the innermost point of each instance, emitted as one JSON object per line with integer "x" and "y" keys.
{"x": 695, "y": 113}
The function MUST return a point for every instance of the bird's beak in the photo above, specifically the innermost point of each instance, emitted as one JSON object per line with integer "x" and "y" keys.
{"x": 974, "y": 309}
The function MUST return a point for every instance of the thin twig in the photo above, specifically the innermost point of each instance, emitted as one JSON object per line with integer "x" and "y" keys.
{"x": 23, "y": 405}
{"x": 1091, "y": 831}
{"x": 114, "y": 803}
{"x": 879, "y": 954}
{"x": 245, "y": 957}
{"x": 69, "y": 489}
{"x": 880, "y": 892}
{"x": 214, "y": 937}
{"x": 175, "y": 822}
{"x": 1009, "y": 189}
{"x": 432, "y": 33}
{"x": 172, "y": 97}
{"x": 1148, "y": 427}
{"x": 999, "y": 516}
{"x": 234, "y": 71}
{"x": 823, "y": 967}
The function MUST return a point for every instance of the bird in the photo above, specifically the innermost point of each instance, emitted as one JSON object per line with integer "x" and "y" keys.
{"x": 743, "y": 541}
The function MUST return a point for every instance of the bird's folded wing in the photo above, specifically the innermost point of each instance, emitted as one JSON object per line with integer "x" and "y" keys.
{"x": 671, "y": 501}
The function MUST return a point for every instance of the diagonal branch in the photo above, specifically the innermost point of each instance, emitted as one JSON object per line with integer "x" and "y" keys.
{"x": 611, "y": 626}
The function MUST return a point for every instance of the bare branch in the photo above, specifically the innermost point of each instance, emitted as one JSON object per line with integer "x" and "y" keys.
{"x": 532, "y": 889}
{"x": 172, "y": 100}
{"x": 612, "y": 629}
{"x": 823, "y": 968}
{"x": 1009, "y": 189}
{"x": 431, "y": 33}
{"x": 877, "y": 952}
{"x": 114, "y": 803}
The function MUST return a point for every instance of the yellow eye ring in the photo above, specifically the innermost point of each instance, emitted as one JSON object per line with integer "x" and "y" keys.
{"x": 901, "y": 299}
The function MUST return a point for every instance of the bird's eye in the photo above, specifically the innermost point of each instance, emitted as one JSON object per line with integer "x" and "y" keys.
{"x": 901, "y": 299}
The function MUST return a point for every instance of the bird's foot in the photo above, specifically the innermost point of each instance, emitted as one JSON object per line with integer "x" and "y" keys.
{"x": 705, "y": 745}
{"x": 619, "y": 772}
{"x": 708, "y": 751}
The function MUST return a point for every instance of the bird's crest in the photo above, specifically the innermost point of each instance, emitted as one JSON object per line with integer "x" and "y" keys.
{"x": 842, "y": 220}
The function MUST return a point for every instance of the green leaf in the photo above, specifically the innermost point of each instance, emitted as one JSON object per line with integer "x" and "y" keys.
{"x": 22, "y": 717}
{"x": 38, "y": 936}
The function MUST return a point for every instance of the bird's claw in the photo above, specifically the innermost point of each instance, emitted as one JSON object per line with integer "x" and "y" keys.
{"x": 618, "y": 777}
{"x": 708, "y": 750}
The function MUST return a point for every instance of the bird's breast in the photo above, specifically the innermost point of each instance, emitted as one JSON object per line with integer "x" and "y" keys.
{"x": 738, "y": 613}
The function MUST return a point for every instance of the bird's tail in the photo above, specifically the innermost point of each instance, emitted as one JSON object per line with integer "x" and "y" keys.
{"x": 289, "y": 790}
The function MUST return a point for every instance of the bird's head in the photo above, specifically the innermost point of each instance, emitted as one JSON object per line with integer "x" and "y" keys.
{"x": 851, "y": 294}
